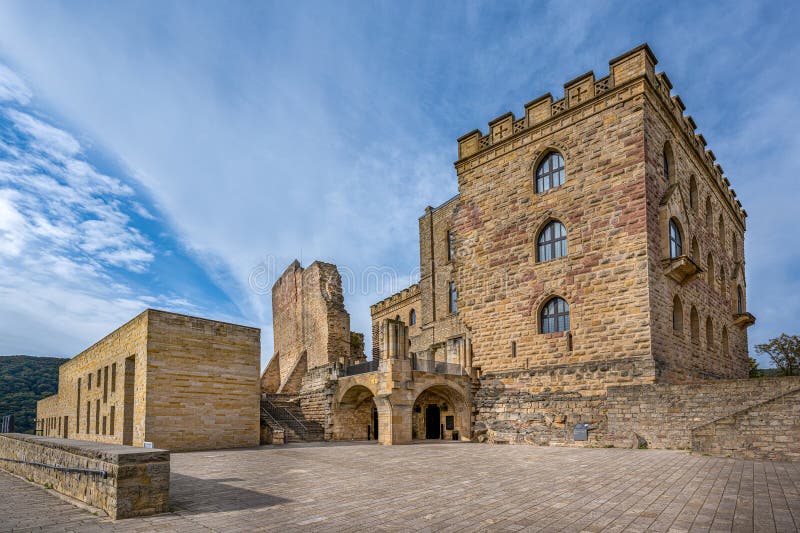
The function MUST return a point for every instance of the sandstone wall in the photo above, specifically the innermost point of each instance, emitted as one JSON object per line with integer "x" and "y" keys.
{"x": 398, "y": 305}
{"x": 316, "y": 398}
{"x": 202, "y": 383}
{"x": 309, "y": 316}
{"x": 665, "y": 415}
{"x": 93, "y": 383}
{"x": 602, "y": 204}
{"x": 136, "y": 484}
{"x": 693, "y": 196}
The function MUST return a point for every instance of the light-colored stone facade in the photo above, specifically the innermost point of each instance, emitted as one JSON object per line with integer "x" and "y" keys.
{"x": 179, "y": 382}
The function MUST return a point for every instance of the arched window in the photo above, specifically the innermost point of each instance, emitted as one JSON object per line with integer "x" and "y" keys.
{"x": 693, "y": 193}
{"x": 694, "y": 325}
{"x": 397, "y": 318}
{"x": 725, "y": 347}
{"x": 734, "y": 245}
{"x": 721, "y": 230}
{"x": 709, "y": 334}
{"x": 552, "y": 241}
{"x": 677, "y": 315}
{"x": 723, "y": 283}
{"x": 695, "y": 250}
{"x": 675, "y": 239}
{"x": 709, "y": 213}
{"x": 667, "y": 161}
{"x": 710, "y": 272}
{"x": 739, "y": 300}
{"x": 550, "y": 172}
{"x": 555, "y": 316}
{"x": 452, "y": 304}
{"x": 412, "y": 317}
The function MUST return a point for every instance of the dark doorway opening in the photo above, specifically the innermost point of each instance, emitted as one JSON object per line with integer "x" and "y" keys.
{"x": 433, "y": 419}
{"x": 375, "y": 423}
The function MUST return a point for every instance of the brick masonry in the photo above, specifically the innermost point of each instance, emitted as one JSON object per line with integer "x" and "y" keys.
{"x": 137, "y": 481}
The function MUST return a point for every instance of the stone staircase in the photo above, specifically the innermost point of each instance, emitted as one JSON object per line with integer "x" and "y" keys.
{"x": 283, "y": 411}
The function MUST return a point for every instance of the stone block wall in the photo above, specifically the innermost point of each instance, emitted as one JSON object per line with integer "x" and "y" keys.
{"x": 316, "y": 398}
{"x": 202, "y": 383}
{"x": 136, "y": 484}
{"x": 665, "y": 415}
{"x": 768, "y": 431}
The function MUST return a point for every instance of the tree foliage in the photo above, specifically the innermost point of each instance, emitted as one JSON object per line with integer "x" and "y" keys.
{"x": 784, "y": 352}
{"x": 23, "y": 381}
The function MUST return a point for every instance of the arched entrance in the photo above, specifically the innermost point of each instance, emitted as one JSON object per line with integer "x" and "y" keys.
{"x": 356, "y": 416}
{"x": 440, "y": 412}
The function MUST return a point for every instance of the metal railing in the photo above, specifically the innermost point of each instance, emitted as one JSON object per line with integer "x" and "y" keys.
{"x": 281, "y": 414}
{"x": 362, "y": 368}
{"x": 437, "y": 367}
{"x": 271, "y": 418}
{"x": 102, "y": 473}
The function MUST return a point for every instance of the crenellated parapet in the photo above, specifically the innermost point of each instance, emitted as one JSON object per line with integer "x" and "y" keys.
{"x": 395, "y": 299}
{"x": 587, "y": 92}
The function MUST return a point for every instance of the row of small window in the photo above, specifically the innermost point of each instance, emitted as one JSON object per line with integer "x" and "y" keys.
{"x": 102, "y": 424}
{"x": 102, "y": 373}
{"x": 693, "y": 194}
{"x": 694, "y": 326}
{"x": 52, "y": 425}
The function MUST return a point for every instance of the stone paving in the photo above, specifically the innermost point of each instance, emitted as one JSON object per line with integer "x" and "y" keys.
{"x": 443, "y": 487}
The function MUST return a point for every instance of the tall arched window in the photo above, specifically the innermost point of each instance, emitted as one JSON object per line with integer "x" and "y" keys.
{"x": 725, "y": 347}
{"x": 709, "y": 334}
{"x": 710, "y": 272}
{"x": 555, "y": 316}
{"x": 667, "y": 161}
{"x": 723, "y": 283}
{"x": 412, "y": 317}
{"x": 734, "y": 245}
{"x": 695, "y": 250}
{"x": 693, "y": 193}
{"x": 552, "y": 241}
{"x": 677, "y": 315}
{"x": 550, "y": 172}
{"x": 709, "y": 213}
{"x": 739, "y": 299}
{"x": 694, "y": 325}
{"x": 675, "y": 239}
{"x": 721, "y": 228}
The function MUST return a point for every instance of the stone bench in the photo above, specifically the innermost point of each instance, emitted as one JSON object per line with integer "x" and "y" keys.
{"x": 121, "y": 480}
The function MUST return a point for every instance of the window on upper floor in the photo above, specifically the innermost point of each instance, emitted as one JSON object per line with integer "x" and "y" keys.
{"x": 675, "y": 239}
{"x": 555, "y": 315}
{"x": 694, "y": 325}
{"x": 451, "y": 253}
{"x": 552, "y": 242}
{"x": 452, "y": 304}
{"x": 710, "y": 272}
{"x": 695, "y": 250}
{"x": 725, "y": 347}
{"x": 667, "y": 161}
{"x": 721, "y": 229}
{"x": 677, "y": 315}
{"x": 693, "y": 193}
{"x": 709, "y": 213}
{"x": 412, "y": 317}
{"x": 550, "y": 172}
{"x": 709, "y": 334}
{"x": 739, "y": 299}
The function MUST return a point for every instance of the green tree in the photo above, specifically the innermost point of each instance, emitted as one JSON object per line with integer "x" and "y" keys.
{"x": 755, "y": 372}
{"x": 784, "y": 352}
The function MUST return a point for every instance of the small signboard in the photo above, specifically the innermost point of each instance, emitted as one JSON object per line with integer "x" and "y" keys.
{"x": 148, "y": 444}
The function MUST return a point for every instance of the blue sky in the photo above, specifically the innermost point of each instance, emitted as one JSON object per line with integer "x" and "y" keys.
{"x": 179, "y": 154}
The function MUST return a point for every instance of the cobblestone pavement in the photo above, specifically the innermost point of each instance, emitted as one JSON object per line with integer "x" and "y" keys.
{"x": 444, "y": 487}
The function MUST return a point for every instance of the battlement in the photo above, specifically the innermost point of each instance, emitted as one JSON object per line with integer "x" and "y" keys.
{"x": 405, "y": 294}
{"x": 635, "y": 64}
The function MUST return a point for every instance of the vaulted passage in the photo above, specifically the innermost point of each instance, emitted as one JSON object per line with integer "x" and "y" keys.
{"x": 356, "y": 416}
{"x": 440, "y": 413}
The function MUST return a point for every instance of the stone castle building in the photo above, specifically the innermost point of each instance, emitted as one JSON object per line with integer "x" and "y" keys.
{"x": 585, "y": 286}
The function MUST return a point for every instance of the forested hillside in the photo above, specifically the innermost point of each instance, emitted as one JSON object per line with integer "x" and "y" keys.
{"x": 23, "y": 381}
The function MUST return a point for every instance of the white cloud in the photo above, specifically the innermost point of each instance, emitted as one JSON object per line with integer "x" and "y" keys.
{"x": 12, "y": 88}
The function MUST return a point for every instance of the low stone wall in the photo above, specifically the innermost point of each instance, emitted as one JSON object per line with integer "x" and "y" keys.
{"x": 769, "y": 430}
{"x": 316, "y": 398}
{"x": 136, "y": 481}
{"x": 665, "y": 416}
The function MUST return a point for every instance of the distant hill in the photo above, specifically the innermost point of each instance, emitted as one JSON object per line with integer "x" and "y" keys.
{"x": 24, "y": 380}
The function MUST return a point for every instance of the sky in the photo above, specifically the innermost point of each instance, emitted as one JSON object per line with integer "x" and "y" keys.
{"x": 179, "y": 155}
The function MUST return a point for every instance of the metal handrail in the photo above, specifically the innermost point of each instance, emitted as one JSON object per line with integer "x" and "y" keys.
{"x": 275, "y": 408}
{"x": 362, "y": 368}
{"x": 101, "y": 473}
{"x": 264, "y": 411}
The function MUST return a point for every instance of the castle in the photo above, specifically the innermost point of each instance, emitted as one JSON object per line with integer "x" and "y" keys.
{"x": 585, "y": 286}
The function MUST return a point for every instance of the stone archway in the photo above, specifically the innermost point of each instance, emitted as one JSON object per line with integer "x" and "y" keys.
{"x": 355, "y": 414}
{"x": 451, "y": 409}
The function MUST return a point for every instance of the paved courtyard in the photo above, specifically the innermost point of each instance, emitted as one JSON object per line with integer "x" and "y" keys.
{"x": 444, "y": 487}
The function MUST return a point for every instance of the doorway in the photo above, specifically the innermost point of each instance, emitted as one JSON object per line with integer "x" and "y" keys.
{"x": 433, "y": 419}
{"x": 375, "y": 423}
